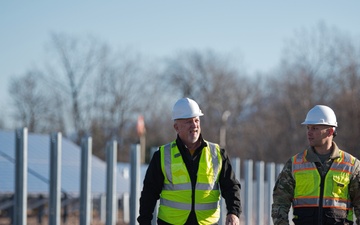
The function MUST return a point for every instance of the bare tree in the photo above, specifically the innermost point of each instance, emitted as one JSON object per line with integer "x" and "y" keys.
{"x": 107, "y": 90}
{"x": 311, "y": 73}
{"x": 74, "y": 66}
{"x": 117, "y": 94}
{"x": 216, "y": 84}
{"x": 345, "y": 91}
{"x": 34, "y": 108}
{"x": 298, "y": 84}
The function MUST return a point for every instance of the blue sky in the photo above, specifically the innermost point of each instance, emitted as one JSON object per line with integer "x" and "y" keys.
{"x": 252, "y": 30}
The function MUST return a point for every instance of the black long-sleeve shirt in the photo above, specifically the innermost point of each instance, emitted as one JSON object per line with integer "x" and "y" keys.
{"x": 154, "y": 182}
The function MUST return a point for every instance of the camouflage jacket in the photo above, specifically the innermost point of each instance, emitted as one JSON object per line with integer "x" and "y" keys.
{"x": 283, "y": 192}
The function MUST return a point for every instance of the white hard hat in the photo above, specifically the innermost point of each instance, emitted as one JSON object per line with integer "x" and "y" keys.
{"x": 322, "y": 115}
{"x": 186, "y": 108}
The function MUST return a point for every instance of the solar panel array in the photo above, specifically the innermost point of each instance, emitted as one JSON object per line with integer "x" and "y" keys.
{"x": 38, "y": 167}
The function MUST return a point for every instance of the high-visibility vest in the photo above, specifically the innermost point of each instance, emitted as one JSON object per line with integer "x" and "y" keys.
{"x": 176, "y": 196}
{"x": 336, "y": 193}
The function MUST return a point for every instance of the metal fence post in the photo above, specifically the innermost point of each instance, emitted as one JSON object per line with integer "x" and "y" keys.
{"x": 111, "y": 196}
{"x": 248, "y": 192}
{"x": 85, "y": 181}
{"x": 260, "y": 192}
{"x": 270, "y": 169}
{"x": 135, "y": 183}
{"x": 126, "y": 208}
{"x": 21, "y": 176}
{"x": 55, "y": 179}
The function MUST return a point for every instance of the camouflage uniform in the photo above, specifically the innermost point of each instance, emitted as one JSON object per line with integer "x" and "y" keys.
{"x": 283, "y": 192}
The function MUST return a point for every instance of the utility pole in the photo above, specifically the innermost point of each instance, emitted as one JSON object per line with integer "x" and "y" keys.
{"x": 224, "y": 118}
{"x": 141, "y": 133}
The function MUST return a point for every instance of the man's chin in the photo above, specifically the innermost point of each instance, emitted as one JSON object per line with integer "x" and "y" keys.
{"x": 194, "y": 139}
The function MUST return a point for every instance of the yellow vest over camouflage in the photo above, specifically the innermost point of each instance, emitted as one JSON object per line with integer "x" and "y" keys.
{"x": 307, "y": 179}
{"x": 176, "y": 196}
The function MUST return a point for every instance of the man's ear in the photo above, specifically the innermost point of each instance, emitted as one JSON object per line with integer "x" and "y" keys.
{"x": 331, "y": 131}
{"x": 176, "y": 127}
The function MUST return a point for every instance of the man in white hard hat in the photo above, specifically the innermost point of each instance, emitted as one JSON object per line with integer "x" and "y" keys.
{"x": 321, "y": 183}
{"x": 189, "y": 175}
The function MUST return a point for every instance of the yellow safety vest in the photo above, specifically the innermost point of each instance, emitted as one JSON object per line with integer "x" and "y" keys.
{"x": 307, "y": 179}
{"x": 176, "y": 196}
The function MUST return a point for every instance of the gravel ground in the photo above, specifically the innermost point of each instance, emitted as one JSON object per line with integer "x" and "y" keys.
{"x": 72, "y": 220}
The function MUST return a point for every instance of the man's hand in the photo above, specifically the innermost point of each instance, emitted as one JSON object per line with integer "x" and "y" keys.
{"x": 231, "y": 219}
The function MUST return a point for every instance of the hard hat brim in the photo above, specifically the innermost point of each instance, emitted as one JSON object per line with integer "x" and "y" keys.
{"x": 188, "y": 116}
{"x": 318, "y": 123}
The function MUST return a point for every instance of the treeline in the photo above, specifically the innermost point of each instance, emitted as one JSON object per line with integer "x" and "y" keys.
{"x": 87, "y": 87}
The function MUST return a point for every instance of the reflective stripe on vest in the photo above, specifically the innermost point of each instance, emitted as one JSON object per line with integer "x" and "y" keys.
{"x": 183, "y": 206}
{"x": 176, "y": 197}
{"x": 314, "y": 202}
{"x": 307, "y": 193}
{"x": 187, "y": 186}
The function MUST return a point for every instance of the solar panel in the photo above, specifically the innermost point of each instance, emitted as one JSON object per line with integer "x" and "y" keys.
{"x": 38, "y": 167}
